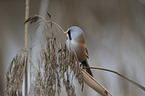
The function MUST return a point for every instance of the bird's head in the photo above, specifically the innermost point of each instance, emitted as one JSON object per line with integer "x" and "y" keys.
{"x": 75, "y": 33}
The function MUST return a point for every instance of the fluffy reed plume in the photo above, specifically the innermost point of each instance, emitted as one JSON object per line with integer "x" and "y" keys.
{"x": 56, "y": 66}
{"x": 14, "y": 76}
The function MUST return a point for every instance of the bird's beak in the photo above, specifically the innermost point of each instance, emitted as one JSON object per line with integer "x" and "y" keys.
{"x": 65, "y": 32}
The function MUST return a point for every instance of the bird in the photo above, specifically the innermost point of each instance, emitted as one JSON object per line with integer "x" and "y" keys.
{"x": 76, "y": 45}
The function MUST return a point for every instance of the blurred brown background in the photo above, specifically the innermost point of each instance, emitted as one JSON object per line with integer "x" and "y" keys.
{"x": 114, "y": 32}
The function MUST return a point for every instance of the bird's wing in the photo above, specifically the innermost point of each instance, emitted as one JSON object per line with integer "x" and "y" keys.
{"x": 87, "y": 54}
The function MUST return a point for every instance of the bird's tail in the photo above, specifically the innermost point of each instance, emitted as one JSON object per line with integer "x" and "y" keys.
{"x": 85, "y": 64}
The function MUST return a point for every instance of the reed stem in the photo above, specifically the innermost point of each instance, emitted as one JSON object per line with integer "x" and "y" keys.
{"x": 26, "y": 46}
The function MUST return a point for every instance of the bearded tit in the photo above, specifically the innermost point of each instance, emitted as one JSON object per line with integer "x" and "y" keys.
{"x": 76, "y": 43}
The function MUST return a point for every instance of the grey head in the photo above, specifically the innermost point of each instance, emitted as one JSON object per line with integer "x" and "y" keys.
{"x": 75, "y": 33}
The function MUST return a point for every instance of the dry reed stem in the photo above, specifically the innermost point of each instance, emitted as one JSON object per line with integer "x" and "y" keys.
{"x": 26, "y": 47}
{"x": 108, "y": 70}
{"x": 90, "y": 81}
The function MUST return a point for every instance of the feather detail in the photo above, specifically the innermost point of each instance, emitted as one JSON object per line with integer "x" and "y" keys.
{"x": 87, "y": 54}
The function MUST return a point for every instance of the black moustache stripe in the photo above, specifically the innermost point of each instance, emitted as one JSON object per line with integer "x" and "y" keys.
{"x": 69, "y": 35}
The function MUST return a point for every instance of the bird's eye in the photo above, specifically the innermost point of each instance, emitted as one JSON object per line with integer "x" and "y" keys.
{"x": 69, "y": 34}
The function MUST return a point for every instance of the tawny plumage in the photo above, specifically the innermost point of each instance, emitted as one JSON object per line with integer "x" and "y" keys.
{"x": 76, "y": 42}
